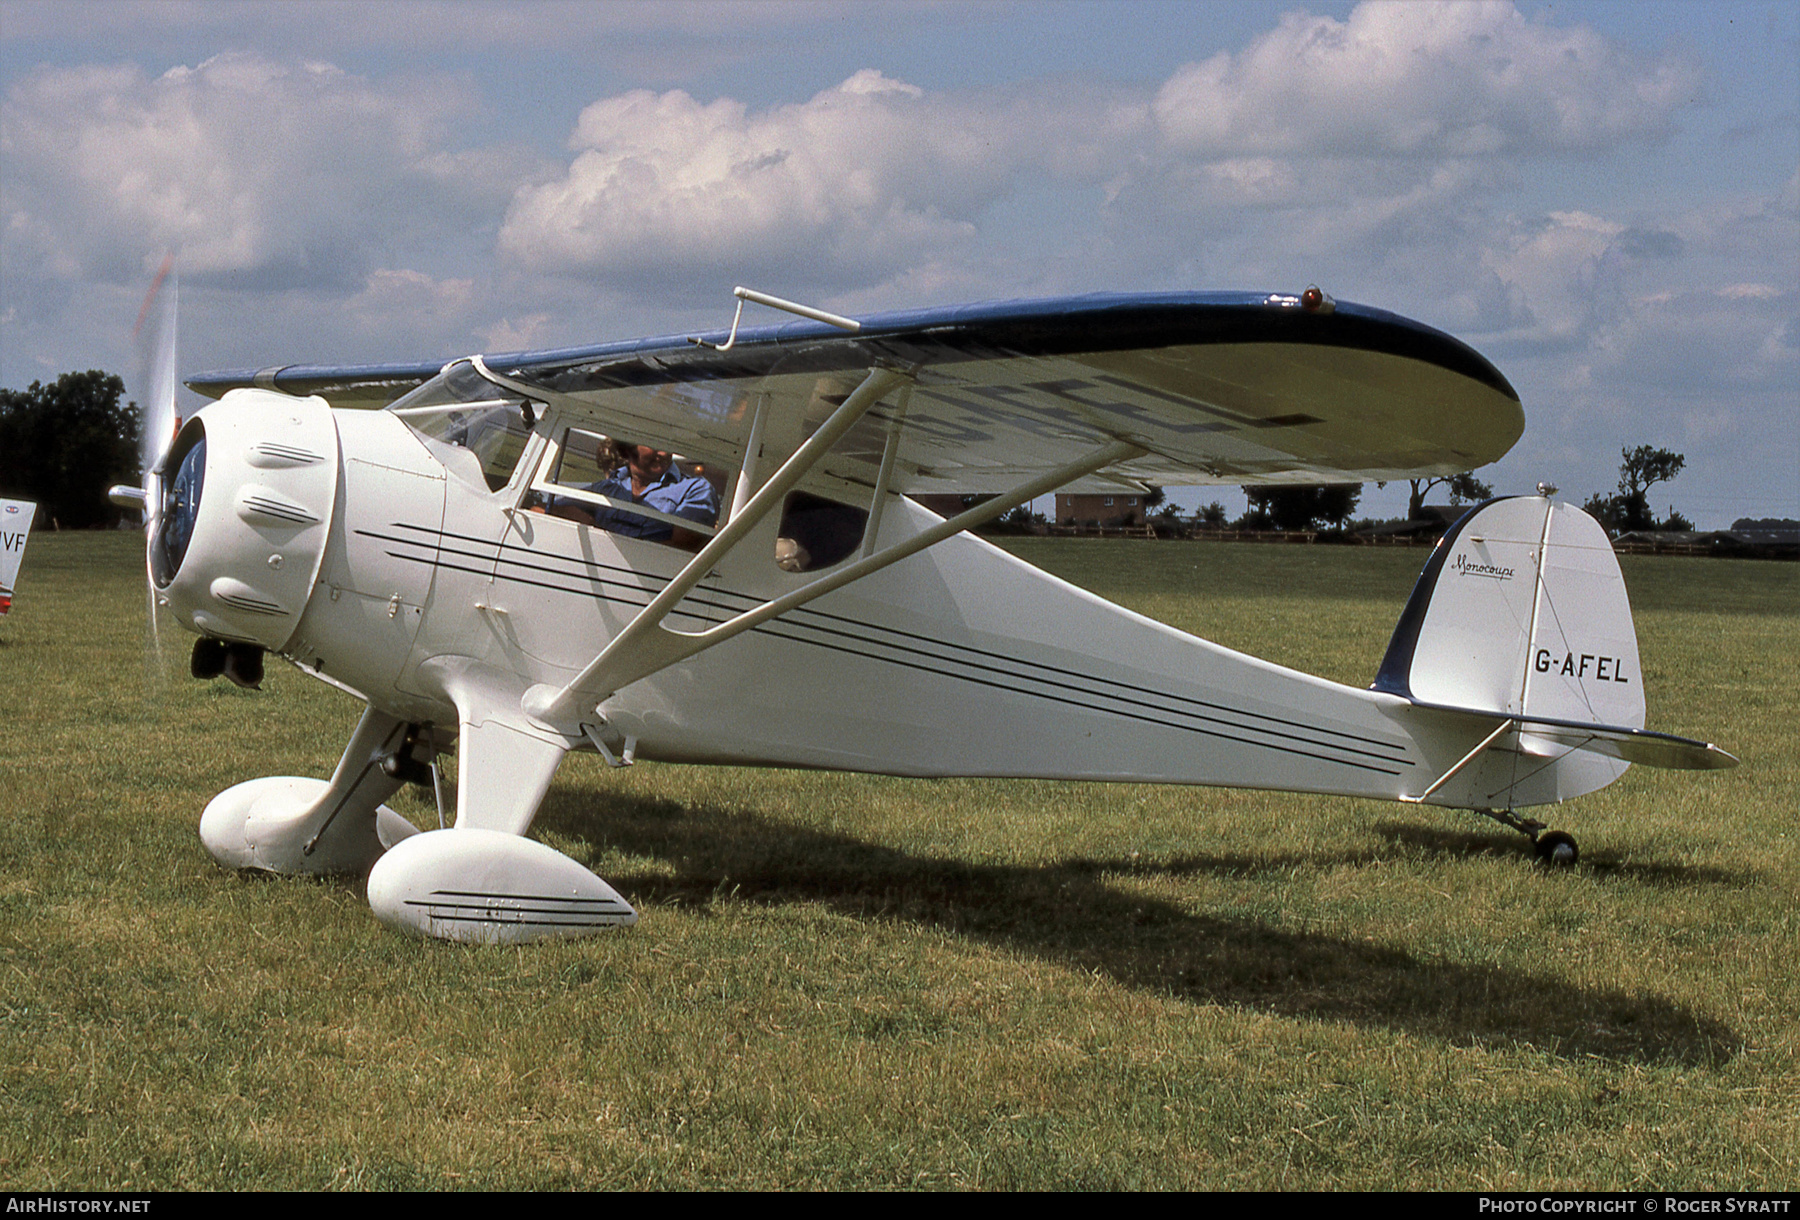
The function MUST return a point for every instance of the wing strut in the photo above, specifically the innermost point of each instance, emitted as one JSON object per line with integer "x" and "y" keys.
{"x": 890, "y": 453}
{"x": 646, "y": 646}
{"x": 1466, "y": 760}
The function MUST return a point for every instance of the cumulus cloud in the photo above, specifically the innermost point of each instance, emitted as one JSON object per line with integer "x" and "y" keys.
{"x": 1375, "y": 147}
{"x": 1414, "y": 80}
{"x": 517, "y": 334}
{"x": 255, "y": 172}
{"x": 856, "y": 183}
{"x": 1386, "y": 134}
{"x": 1698, "y": 344}
{"x": 392, "y": 290}
{"x": 1686, "y": 340}
{"x": 1559, "y": 266}
{"x": 1679, "y": 304}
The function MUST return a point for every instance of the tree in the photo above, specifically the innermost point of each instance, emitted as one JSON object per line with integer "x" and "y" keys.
{"x": 1020, "y": 520}
{"x": 1464, "y": 488}
{"x": 1641, "y": 469}
{"x": 1299, "y": 508}
{"x": 65, "y": 443}
{"x": 1605, "y": 510}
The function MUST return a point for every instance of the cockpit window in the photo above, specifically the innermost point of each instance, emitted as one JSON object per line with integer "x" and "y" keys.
{"x": 635, "y": 490}
{"x": 461, "y": 415}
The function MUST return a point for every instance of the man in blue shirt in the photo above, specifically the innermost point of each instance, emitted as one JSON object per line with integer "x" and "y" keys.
{"x": 650, "y": 477}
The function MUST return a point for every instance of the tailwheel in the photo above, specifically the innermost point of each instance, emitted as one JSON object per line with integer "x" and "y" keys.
{"x": 1557, "y": 849}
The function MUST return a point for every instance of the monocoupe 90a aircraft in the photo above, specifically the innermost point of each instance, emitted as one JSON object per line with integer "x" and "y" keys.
{"x": 702, "y": 550}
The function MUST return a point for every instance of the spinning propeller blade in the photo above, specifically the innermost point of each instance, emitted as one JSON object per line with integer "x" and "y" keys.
{"x": 155, "y": 335}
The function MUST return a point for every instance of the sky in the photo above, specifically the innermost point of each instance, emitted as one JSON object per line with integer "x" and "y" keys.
{"x": 1601, "y": 198}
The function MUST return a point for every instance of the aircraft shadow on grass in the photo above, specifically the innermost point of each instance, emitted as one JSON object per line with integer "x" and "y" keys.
{"x": 1440, "y": 841}
{"x": 1066, "y": 912}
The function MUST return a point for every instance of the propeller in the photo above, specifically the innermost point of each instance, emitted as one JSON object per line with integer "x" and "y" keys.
{"x": 156, "y": 351}
{"x": 155, "y": 338}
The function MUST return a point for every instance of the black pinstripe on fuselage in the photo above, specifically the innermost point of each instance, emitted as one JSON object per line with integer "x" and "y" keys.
{"x": 623, "y": 586}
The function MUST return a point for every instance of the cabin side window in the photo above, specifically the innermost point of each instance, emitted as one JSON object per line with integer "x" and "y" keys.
{"x": 630, "y": 488}
{"x": 817, "y": 533}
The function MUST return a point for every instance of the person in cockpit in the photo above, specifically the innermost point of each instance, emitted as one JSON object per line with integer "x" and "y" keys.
{"x": 651, "y": 477}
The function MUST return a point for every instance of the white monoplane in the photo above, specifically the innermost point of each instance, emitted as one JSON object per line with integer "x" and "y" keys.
{"x": 486, "y": 563}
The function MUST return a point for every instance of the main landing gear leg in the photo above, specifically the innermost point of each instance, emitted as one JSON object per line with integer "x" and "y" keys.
{"x": 294, "y": 824}
{"x": 1554, "y": 847}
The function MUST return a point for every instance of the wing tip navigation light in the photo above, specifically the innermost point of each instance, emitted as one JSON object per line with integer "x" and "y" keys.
{"x": 1317, "y": 300}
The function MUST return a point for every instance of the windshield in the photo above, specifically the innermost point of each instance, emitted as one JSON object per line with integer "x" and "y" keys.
{"x": 462, "y": 416}
{"x": 180, "y": 509}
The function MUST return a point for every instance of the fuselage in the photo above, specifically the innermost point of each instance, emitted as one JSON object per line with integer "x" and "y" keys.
{"x": 394, "y": 567}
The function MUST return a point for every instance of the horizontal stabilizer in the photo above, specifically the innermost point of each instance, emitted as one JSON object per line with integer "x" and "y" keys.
{"x": 1613, "y": 740}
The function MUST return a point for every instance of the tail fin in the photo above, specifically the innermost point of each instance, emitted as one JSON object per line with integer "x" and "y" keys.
{"x": 15, "y": 527}
{"x": 1521, "y": 614}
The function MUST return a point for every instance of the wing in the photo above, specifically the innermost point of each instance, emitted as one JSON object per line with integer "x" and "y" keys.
{"x": 362, "y": 386}
{"x": 1217, "y": 388}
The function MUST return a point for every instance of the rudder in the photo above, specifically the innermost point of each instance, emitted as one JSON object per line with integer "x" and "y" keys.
{"x": 1521, "y": 611}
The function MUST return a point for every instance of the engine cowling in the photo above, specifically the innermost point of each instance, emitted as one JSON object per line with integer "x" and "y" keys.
{"x": 247, "y": 495}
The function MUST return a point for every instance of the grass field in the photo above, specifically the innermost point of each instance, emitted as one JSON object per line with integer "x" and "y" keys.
{"x": 849, "y": 982}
